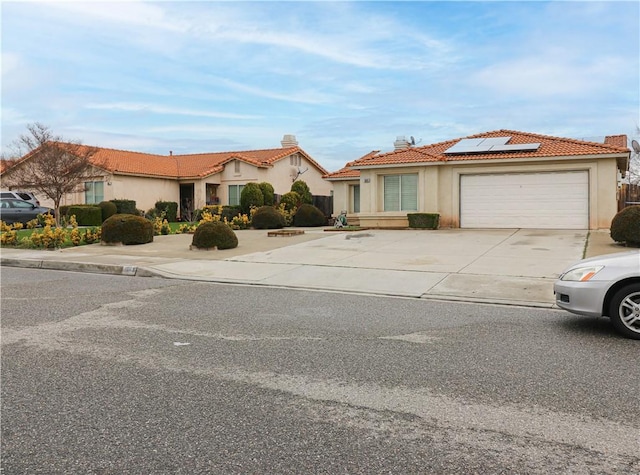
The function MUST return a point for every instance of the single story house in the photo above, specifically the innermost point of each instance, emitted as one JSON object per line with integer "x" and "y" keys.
{"x": 195, "y": 180}
{"x": 498, "y": 179}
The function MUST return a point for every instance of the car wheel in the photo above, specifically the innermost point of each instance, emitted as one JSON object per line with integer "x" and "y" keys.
{"x": 625, "y": 311}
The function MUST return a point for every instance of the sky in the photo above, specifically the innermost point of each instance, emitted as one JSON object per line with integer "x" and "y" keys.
{"x": 344, "y": 77}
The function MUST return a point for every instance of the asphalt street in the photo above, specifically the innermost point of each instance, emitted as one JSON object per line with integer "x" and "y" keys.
{"x": 116, "y": 374}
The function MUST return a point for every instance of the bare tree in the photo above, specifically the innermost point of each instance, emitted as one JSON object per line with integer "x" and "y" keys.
{"x": 48, "y": 165}
{"x": 634, "y": 164}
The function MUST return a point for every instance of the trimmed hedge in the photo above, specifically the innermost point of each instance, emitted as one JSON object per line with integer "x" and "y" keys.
{"x": 170, "y": 209}
{"x": 86, "y": 215}
{"x": 424, "y": 220}
{"x": 214, "y": 235}
{"x": 125, "y": 206}
{"x": 127, "y": 229}
{"x": 267, "y": 217}
{"x": 625, "y": 226}
{"x": 108, "y": 209}
{"x": 309, "y": 216}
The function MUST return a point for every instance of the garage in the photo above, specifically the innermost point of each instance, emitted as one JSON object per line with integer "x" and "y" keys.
{"x": 554, "y": 200}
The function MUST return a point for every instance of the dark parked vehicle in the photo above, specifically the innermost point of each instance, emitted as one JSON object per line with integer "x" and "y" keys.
{"x": 20, "y": 211}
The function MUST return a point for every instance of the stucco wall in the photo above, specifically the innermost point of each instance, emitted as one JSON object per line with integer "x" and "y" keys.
{"x": 439, "y": 189}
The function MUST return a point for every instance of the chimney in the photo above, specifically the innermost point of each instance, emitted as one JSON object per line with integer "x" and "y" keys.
{"x": 289, "y": 141}
{"x": 401, "y": 143}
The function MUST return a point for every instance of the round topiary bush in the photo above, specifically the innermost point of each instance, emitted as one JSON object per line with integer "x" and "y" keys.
{"x": 127, "y": 229}
{"x": 625, "y": 226}
{"x": 211, "y": 235}
{"x": 251, "y": 195}
{"x": 108, "y": 209}
{"x": 290, "y": 200}
{"x": 267, "y": 217}
{"x": 309, "y": 216}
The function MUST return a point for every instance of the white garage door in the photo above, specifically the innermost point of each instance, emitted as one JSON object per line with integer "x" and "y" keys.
{"x": 525, "y": 200}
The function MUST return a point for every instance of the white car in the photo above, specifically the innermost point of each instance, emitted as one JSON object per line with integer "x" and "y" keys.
{"x": 608, "y": 286}
{"x": 20, "y": 195}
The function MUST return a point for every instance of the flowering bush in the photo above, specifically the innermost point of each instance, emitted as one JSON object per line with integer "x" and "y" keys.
{"x": 186, "y": 229}
{"x": 49, "y": 238}
{"x": 92, "y": 235}
{"x": 287, "y": 213}
{"x": 9, "y": 237}
{"x": 161, "y": 225}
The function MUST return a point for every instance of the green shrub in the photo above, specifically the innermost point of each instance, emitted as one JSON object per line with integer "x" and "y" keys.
{"x": 86, "y": 215}
{"x": 267, "y": 217}
{"x": 424, "y": 220}
{"x": 309, "y": 216}
{"x": 108, "y": 209}
{"x": 230, "y": 212}
{"x": 302, "y": 189}
{"x": 268, "y": 193}
{"x": 214, "y": 235}
{"x": 625, "y": 226}
{"x": 64, "y": 211}
{"x": 125, "y": 206}
{"x": 290, "y": 200}
{"x": 251, "y": 195}
{"x": 127, "y": 229}
{"x": 169, "y": 208}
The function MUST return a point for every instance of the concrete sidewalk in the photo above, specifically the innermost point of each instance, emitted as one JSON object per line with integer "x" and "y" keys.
{"x": 501, "y": 266}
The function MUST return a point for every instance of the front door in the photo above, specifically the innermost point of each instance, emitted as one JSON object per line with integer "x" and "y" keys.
{"x": 186, "y": 202}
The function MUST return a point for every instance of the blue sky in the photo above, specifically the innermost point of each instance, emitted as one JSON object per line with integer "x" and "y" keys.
{"x": 344, "y": 77}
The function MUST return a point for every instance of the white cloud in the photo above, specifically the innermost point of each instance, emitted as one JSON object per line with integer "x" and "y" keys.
{"x": 544, "y": 77}
{"x": 156, "y": 109}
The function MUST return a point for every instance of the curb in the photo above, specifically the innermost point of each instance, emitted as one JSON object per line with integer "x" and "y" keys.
{"x": 73, "y": 266}
{"x": 134, "y": 271}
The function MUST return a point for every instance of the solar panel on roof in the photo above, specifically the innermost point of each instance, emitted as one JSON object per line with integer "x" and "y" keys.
{"x": 489, "y": 144}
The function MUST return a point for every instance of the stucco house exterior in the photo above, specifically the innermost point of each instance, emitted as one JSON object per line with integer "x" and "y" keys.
{"x": 196, "y": 180}
{"x": 498, "y": 179}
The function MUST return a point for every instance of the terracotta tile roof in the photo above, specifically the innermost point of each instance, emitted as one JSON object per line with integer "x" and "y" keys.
{"x": 549, "y": 147}
{"x": 347, "y": 173}
{"x": 189, "y": 165}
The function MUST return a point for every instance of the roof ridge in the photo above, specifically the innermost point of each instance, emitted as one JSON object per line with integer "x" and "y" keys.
{"x": 231, "y": 152}
{"x": 562, "y": 139}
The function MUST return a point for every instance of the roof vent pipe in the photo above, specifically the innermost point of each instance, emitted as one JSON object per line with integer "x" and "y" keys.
{"x": 401, "y": 143}
{"x": 289, "y": 141}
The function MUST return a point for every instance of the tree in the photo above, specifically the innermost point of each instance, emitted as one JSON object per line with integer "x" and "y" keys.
{"x": 49, "y": 165}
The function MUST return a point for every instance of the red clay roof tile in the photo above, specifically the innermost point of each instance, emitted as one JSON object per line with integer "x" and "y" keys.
{"x": 188, "y": 165}
{"x": 549, "y": 147}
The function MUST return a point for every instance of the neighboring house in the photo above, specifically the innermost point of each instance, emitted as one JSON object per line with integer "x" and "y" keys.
{"x": 196, "y": 180}
{"x": 499, "y": 179}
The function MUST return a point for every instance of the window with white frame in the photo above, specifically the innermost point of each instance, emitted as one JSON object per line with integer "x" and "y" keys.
{"x": 401, "y": 192}
{"x": 234, "y": 194}
{"x": 93, "y": 192}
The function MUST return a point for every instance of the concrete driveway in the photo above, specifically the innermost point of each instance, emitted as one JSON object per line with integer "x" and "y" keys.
{"x": 502, "y": 266}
